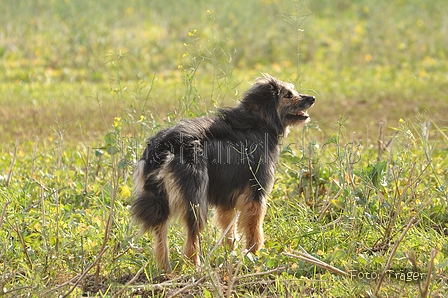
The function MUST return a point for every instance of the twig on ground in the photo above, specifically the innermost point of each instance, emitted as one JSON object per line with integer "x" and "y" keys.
{"x": 329, "y": 203}
{"x": 180, "y": 291}
{"x": 304, "y": 256}
{"x": 61, "y": 285}
{"x": 234, "y": 278}
{"x": 15, "y": 227}
{"x": 430, "y": 268}
{"x": 132, "y": 280}
{"x": 81, "y": 277}
{"x": 161, "y": 286}
{"x": 392, "y": 254}
{"x": 260, "y": 273}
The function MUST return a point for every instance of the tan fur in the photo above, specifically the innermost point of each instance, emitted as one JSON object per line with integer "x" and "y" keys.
{"x": 191, "y": 249}
{"x": 223, "y": 219}
{"x": 161, "y": 247}
{"x": 250, "y": 224}
{"x": 139, "y": 178}
{"x": 176, "y": 202}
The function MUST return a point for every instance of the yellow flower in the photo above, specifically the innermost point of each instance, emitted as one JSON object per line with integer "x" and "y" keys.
{"x": 276, "y": 67}
{"x": 129, "y": 10}
{"x": 191, "y": 33}
{"x": 117, "y": 121}
{"x": 368, "y": 57}
{"x": 124, "y": 192}
{"x": 82, "y": 228}
{"x": 422, "y": 74}
{"x": 359, "y": 29}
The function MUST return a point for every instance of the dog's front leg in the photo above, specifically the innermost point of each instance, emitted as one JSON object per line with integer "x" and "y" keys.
{"x": 226, "y": 221}
{"x": 250, "y": 224}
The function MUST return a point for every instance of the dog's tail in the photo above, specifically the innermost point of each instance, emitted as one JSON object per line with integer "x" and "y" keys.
{"x": 150, "y": 206}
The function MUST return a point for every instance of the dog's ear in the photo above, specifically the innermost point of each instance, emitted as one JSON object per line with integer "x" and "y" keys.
{"x": 264, "y": 94}
{"x": 273, "y": 83}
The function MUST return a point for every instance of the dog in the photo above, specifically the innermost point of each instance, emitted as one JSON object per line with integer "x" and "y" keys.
{"x": 227, "y": 162}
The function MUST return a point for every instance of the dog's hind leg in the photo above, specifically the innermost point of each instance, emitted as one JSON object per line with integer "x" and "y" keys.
{"x": 250, "y": 224}
{"x": 193, "y": 188}
{"x": 151, "y": 208}
{"x": 161, "y": 247}
{"x": 192, "y": 245}
{"x": 153, "y": 212}
{"x": 195, "y": 218}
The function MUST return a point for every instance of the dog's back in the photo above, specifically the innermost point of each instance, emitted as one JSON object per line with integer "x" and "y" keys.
{"x": 226, "y": 160}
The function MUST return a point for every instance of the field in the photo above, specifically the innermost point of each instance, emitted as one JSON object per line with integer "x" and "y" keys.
{"x": 360, "y": 203}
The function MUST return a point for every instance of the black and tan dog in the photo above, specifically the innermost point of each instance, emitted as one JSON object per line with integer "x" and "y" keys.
{"x": 227, "y": 162}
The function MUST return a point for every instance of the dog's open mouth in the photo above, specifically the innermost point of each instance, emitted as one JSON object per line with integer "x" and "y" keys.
{"x": 296, "y": 113}
{"x": 300, "y": 115}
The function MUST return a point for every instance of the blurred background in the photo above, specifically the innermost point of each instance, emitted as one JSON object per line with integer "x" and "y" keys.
{"x": 73, "y": 66}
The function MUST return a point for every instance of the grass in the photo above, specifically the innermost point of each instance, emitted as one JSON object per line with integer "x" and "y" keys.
{"x": 363, "y": 188}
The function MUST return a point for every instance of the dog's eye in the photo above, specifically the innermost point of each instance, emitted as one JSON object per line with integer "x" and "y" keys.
{"x": 288, "y": 95}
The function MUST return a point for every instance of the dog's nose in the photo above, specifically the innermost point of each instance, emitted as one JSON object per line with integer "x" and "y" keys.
{"x": 311, "y": 99}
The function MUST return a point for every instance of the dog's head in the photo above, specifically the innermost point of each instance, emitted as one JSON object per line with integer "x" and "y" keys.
{"x": 278, "y": 102}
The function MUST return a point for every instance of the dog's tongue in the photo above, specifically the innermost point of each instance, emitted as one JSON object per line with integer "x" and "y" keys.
{"x": 302, "y": 115}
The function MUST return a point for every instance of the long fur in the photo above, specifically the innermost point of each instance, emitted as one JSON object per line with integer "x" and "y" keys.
{"x": 227, "y": 162}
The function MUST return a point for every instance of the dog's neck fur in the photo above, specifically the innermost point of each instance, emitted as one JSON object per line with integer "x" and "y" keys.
{"x": 286, "y": 132}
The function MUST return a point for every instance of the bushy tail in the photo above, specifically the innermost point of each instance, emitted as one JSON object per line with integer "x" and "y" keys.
{"x": 149, "y": 210}
{"x": 150, "y": 206}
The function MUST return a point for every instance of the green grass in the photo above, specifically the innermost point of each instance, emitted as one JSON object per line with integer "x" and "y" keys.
{"x": 363, "y": 188}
